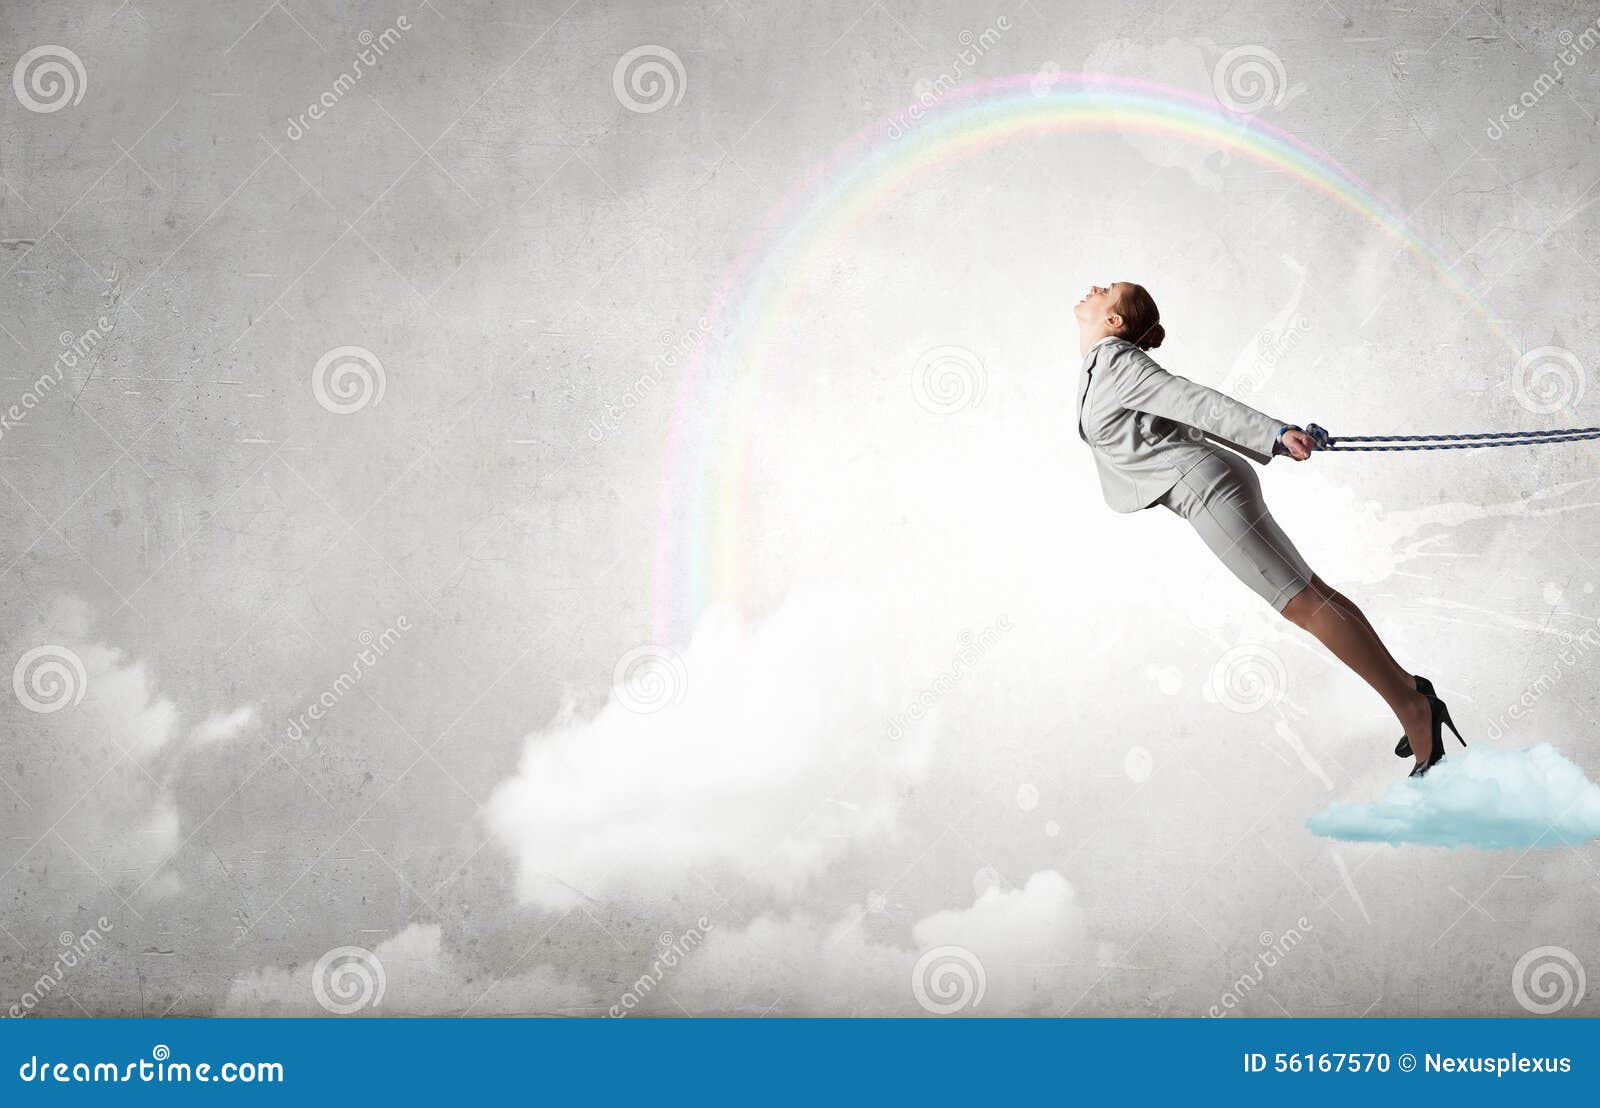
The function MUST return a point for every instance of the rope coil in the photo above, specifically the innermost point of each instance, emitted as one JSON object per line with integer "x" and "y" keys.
{"x": 1325, "y": 441}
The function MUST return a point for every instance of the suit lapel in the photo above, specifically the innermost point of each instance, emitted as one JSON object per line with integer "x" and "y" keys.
{"x": 1083, "y": 392}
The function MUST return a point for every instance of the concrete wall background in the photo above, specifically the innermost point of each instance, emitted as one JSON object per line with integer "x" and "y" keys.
{"x": 530, "y": 790}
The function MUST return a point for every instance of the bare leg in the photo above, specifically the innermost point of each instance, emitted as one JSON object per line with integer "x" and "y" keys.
{"x": 1340, "y": 626}
{"x": 1351, "y": 610}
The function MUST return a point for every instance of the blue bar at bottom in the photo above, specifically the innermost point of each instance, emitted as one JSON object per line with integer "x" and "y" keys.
{"x": 835, "y": 1061}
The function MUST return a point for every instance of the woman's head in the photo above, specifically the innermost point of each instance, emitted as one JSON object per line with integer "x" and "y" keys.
{"x": 1124, "y": 309}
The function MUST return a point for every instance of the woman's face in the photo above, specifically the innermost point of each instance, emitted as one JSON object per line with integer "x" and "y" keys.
{"x": 1099, "y": 305}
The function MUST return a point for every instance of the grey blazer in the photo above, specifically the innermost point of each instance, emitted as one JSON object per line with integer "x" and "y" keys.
{"x": 1147, "y": 427}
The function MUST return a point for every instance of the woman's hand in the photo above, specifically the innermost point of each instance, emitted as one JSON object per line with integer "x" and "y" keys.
{"x": 1298, "y": 443}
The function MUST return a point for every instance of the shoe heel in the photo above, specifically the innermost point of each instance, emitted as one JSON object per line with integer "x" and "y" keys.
{"x": 1444, "y": 716}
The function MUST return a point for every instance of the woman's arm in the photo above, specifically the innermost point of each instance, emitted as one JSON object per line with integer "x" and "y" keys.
{"x": 1141, "y": 384}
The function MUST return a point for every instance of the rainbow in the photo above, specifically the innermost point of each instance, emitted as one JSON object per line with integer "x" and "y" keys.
{"x": 698, "y": 558}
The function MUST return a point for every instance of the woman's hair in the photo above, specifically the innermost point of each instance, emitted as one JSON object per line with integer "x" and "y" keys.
{"x": 1141, "y": 319}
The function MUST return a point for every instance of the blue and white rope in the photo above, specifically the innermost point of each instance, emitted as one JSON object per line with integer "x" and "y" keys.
{"x": 1326, "y": 441}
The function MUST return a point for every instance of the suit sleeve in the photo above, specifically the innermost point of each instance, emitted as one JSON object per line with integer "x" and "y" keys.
{"x": 1144, "y": 386}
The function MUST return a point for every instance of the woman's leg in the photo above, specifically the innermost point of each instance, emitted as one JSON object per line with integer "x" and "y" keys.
{"x": 1354, "y": 612}
{"x": 1222, "y": 500}
{"x": 1340, "y": 626}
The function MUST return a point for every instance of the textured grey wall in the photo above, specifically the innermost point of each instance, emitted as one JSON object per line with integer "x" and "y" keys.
{"x": 406, "y": 620}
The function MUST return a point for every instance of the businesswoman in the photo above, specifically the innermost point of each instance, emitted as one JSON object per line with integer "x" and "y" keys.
{"x": 1158, "y": 438}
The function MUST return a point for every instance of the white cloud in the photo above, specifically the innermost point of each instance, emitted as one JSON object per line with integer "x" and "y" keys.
{"x": 1026, "y": 946}
{"x": 225, "y": 725}
{"x": 1492, "y": 799}
{"x": 418, "y": 977}
{"x": 89, "y": 723}
{"x": 774, "y": 762}
{"x": 1041, "y": 921}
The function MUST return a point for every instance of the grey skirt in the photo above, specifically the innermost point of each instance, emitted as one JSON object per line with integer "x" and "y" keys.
{"x": 1221, "y": 498}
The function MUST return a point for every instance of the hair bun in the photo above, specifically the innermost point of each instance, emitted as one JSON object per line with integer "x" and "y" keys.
{"x": 1141, "y": 319}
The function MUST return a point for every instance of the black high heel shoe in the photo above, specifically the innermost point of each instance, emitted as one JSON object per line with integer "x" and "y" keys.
{"x": 1402, "y": 749}
{"x": 1438, "y": 719}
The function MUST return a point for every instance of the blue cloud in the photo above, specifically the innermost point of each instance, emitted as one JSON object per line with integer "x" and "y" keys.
{"x": 1491, "y": 799}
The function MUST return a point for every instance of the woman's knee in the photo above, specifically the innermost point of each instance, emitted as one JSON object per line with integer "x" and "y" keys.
{"x": 1307, "y": 602}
